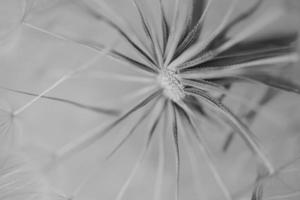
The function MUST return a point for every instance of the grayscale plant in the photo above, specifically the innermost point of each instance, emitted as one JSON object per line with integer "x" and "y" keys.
{"x": 189, "y": 76}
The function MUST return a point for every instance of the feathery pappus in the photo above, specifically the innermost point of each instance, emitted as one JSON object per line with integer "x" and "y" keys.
{"x": 189, "y": 72}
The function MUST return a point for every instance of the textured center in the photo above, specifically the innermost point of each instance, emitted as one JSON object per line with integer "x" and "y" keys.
{"x": 171, "y": 84}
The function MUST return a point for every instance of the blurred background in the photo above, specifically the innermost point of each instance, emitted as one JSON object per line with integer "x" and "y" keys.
{"x": 31, "y": 61}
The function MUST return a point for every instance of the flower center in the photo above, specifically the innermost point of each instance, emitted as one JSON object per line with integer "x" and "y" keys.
{"x": 171, "y": 84}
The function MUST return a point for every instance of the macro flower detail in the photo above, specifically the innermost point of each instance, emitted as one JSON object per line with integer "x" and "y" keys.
{"x": 189, "y": 71}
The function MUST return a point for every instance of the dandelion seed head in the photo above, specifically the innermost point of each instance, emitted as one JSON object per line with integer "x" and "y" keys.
{"x": 171, "y": 85}
{"x": 186, "y": 67}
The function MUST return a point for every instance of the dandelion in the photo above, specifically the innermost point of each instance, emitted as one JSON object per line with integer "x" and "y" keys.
{"x": 189, "y": 74}
{"x": 20, "y": 180}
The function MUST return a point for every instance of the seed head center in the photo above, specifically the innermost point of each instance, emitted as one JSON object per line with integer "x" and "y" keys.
{"x": 171, "y": 85}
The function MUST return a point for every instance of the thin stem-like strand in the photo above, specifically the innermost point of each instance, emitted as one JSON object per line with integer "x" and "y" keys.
{"x": 206, "y": 153}
{"x": 131, "y": 131}
{"x": 290, "y": 58}
{"x": 250, "y": 139}
{"x": 205, "y": 85}
{"x": 243, "y": 16}
{"x": 171, "y": 49}
{"x": 148, "y": 29}
{"x": 192, "y": 156}
{"x": 198, "y": 61}
{"x": 99, "y": 132}
{"x": 177, "y": 150}
{"x": 132, "y": 37}
{"x": 123, "y": 59}
{"x": 152, "y": 126}
{"x": 209, "y": 86}
{"x": 174, "y": 27}
{"x": 207, "y": 72}
{"x": 164, "y": 26}
{"x": 118, "y": 77}
{"x": 193, "y": 34}
{"x": 63, "y": 79}
{"x": 104, "y": 110}
{"x": 265, "y": 20}
{"x": 158, "y": 188}
{"x": 198, "y": 48}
